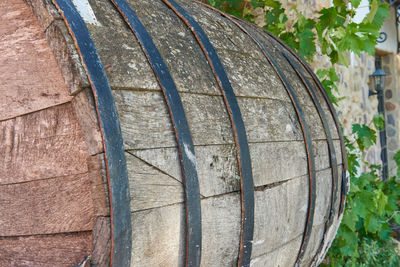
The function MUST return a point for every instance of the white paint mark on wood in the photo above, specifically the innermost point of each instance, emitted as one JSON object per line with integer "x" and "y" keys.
{"x": 127, "y": 47}
{"x": 86, "y": 11}
{"x": 252, "y": 262}
{"x": 259, "y": 242}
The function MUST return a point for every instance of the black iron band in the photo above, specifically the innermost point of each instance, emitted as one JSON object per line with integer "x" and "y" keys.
{"x": 331, "y": 148}
{"x": 345, "y": 181}
{"x": 182, "y": 133}
{"x": 239, "y": 131}
{"x": 306, "y": 135}
{"x": 121, "y": 228}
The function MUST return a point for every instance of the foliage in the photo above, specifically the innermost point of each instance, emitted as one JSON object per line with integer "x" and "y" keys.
{"x": 372, "y": 205}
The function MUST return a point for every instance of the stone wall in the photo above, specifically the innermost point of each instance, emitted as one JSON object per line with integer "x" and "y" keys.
{"x": 391, "y": 65}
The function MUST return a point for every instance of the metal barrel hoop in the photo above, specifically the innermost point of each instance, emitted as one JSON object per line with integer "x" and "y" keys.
{"x": 305, "y": 131}
{"x": 239, "y": 131}
{"x": 181, "y": 129}
{"x": 116, "y": 170}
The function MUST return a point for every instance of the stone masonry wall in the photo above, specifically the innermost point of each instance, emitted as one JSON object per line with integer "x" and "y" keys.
{"x": 391, "y": 65}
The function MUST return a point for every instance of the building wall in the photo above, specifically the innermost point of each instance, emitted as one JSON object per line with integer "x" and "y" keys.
{"x": 391, "y": 65}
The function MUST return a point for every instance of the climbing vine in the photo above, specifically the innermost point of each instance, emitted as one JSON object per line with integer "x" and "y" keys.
{"x": 372, "y": 206}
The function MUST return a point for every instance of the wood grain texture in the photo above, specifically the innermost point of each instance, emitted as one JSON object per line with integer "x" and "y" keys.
{"x": 99, "y": 185}
{"x": 101, "y": 242}
{"x": 68, "y": 60}
{"x": 145, "y": 120}
{"x": 216, "y": 166}
{"x": 31, "y": 79}
{"x": 280, "y": 257}
{"x": 45, "y": 12}
{"x": 157, "y": 237}
{"x": 151, "y": 188}
{"x": 125, "y": 63}
{"x": 280, "y": 216}
{"x": 54, "y": 205}
{"x": 272, "y": 162}
{"x": 85, "y": 109}
{"x": 61, "y": 250}
{"x": 276, "y": 141}
{"x": 220, "y": 226}
{"x": 41, "y": 145}
{"x": 158, "y": 233}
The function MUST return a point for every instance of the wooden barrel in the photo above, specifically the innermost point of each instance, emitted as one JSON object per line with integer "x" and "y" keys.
{"x": 160, "y": 133}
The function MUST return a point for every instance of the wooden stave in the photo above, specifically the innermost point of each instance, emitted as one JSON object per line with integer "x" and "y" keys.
{"x": 169, "y": 146}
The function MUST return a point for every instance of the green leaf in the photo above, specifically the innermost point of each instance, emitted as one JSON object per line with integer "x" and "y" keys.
{"x": 397, "y": 218}
{"x": 307, "y": 47}
{"x": 369, "y": 28}
{"x": 355, "y": 3}
{"x": 343, "y": 59}
{"x": 366, "y": 137}
{"x": 381, "y": 15}
{"x": 327, "y": 18}
{"x": 372, "y": 224}
{"x": 360, "y": 208}
{"x": 350, "y": 219}
{"x": 373, "y": 9}
{"x": 365, "y": 180}
{"x": 380, "y": 200}
{"x": 378, "y": 121}
{"x": 385, "y": 232}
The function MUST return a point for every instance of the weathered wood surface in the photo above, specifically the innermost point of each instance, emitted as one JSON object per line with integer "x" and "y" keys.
{"x": 220, "y": 226}
{"x": 279, "y": 257}
{"x": 158, "y": 233}
{"x": 54, "y": 205}
{"x": 249, "y": 72}
{"x": 30, "y": 78}
{"x": 150, "y": 187}
{"x": 44, "y": 12}
{"x": 280, "y": 214}
{"x": 217, "y": 167}
{"x": 274, "y": 134}
{"x": 99, "y": 185}
{"x": 67, "y": 57}
{"x": 157, "y": 236}
{"x": 85, "y": 110}
{"x": 61, "y": 250}
{"x": 41, "y": 145}
{"x": 145, "y": 121}
{"x": 101, "y": 243}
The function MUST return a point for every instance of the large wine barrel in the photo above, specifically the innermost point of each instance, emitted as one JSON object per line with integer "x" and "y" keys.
{"x": 160, "y": 133}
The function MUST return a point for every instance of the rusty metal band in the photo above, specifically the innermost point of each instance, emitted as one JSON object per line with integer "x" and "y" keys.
{"x": 331, "y": 148}
{"x": 344, "y": 186}
{"x": 239, "y": 132}
{"x": 306, "y": 135}
{"x": 182, "y": 132}
{"x": 117, "y": 174}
